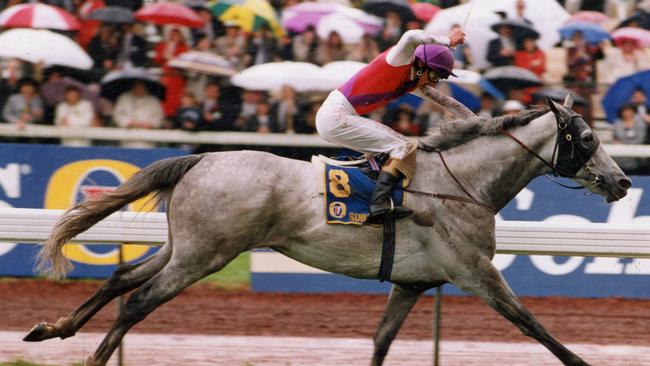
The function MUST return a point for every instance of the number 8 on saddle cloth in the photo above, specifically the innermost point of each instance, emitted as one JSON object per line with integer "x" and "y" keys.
{"x": 347, "y": 194}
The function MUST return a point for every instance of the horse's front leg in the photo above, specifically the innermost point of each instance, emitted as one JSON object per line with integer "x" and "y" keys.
{"x": 484, "y": 280}
{"x": 400, "y": 303}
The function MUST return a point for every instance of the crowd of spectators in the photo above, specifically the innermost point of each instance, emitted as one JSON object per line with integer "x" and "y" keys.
{"x": 197, "y": 102}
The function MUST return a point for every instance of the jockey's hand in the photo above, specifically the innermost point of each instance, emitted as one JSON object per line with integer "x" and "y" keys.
{"x": 456, "y": 37}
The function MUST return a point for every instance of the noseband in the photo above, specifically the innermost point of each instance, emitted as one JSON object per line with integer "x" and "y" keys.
{"x": 570, "y": 153}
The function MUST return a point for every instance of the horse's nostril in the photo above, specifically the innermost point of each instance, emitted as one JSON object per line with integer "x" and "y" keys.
{"x": 624, "y": 183}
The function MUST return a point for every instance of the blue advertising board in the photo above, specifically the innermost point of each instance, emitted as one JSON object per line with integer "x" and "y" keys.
{"x": 527, "y": 275}
{"x": 55, "y": 177}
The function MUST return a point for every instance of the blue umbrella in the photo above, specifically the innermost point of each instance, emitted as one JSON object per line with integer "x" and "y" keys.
{"x": 593, "y": 33}
{"x": 622, "y": 90}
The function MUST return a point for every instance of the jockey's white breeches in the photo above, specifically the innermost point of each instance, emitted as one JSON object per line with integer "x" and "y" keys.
{"x": 338, "y": 123}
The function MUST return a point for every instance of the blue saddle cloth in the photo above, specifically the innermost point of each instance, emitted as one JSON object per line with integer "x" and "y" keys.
{"x": 347, "y": 194}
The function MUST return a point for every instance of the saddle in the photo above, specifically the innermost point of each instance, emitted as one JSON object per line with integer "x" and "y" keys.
{"x": 347, "y": 186}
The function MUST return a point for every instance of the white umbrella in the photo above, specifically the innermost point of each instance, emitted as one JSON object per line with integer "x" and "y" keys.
{"x": 477, "y": 30}
{"x": 547, "y": 17}
{"x": 350, "y": 32}
{"x": 37, "y": 45}
{"x": 331, "y": 76}
{"x": 274, "y": 75}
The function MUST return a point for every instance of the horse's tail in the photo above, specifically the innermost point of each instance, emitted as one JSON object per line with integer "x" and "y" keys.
{"x": 159, "y": 177}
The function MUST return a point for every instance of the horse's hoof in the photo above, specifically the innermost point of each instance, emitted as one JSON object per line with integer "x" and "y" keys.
{"x": 39, "y": 332}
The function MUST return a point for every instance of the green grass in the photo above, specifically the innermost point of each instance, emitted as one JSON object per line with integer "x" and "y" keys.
{"x": 236, "y": 275}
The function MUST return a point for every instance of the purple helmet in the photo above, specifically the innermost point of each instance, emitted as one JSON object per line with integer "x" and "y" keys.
{"x": 438, "y": 58}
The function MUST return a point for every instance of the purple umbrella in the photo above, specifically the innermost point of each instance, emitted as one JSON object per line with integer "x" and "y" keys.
{"x": 53, "y": 91}
{"x": 298, "y": 17}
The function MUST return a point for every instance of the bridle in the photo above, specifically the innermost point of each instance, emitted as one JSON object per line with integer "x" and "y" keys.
{"x": 571, "y": 152}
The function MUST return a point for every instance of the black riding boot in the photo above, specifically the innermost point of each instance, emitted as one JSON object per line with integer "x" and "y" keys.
{"x": 381, "y": 201}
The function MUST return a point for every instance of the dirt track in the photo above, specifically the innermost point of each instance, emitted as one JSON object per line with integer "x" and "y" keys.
{"x": 207, "y": 311}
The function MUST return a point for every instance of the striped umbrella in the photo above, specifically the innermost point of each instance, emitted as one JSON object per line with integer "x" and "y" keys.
{"x": 38, "y": 16}
{"x": 249, "y": 14}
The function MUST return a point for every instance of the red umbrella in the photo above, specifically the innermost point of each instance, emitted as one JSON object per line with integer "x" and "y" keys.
{"x": 424, "y": 11}
{"x": 169, "y": 13}
{"x": 38, "y": 16}
{"x": 639, "y": 35}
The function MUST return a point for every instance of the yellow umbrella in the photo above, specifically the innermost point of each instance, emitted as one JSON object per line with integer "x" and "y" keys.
{"x": 249, "y": 14}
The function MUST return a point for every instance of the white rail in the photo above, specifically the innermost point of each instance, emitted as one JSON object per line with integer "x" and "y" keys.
{"x": 220, "y": 138}
{"x": 513, "y": 237}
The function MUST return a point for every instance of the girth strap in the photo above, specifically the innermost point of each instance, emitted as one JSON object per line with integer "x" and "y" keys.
{"x": 387, "y": 249}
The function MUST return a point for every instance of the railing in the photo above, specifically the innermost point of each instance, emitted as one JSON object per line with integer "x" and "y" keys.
{"x": 220, "y": 138}
{"x": 513, "y": 237}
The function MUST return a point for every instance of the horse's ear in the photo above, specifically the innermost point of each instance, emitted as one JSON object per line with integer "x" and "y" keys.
{"x": 553, "y": 105}
{"x": 568, "y": 101}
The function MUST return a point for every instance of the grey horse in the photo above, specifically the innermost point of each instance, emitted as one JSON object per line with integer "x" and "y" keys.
{"x": 222, "y": 204}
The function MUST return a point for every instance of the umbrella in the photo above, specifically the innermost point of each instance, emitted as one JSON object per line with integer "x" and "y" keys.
{"x": 298, "y": 17}
{"x": 203, "y": 62}
{"x": 249, "y": 14}
{"x": 644, "y": 6}
{"x": 112, "y": 15}
{"x": 350, "y": 32}
{"x": 169, "y": 13}
{"x": 639, "y": 35}
{"x": 38, "y": 16}
{"x": 117, "y": 82}
{"x": 424, "y": 11}
{"x": 520, "y": 29}
{"x": 547, "y": 17}
{"x": 474, "y": 82}
{"x": 621, "y": 92}
{"x": 558, "y": 94}
{"x": 53, "y": 92}
{"x": 593, "y": 33}
{"x": 39, "y": 45}
{"x": 274, "y": 75}
{"x": 641, "y": 20}
{"x": 381, "y": 7}
{"x": 476, "y": 29}
{"x": 506, "y": 78}
{"x": 588, "y": 16}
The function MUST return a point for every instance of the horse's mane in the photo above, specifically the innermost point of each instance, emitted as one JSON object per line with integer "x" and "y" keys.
{"x": 456, "y": 132}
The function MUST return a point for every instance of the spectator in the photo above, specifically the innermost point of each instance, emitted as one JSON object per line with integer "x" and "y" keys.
{"x": 188, "y": 115}
{"x": 307, "y": 121}
{"x": 404, "y": 121}
{"x": 488, "y": 107}
{"x": 197, "y": 82}
{"x": 462, "y": 53}
{"x": 581, "y": 60}
{"x": 261, "y": 48}
{"x": 392, "y": 31}
{"x": 133, "y": 48}
{"x": 285, "y": 48}
{"x": 512, "y": 107}
{"x": 520, "y": 11}
{"x": 530, "y": 57}
{"x": 214, "y": 118}
{"x": 625, "y": 60}
{"x": 103, "y": 48}
{"x": 285, "y": 111}
{"x": 262, "y": 121}
{"x": 89, "y": 27}
{"x": 172, "y": 79}
{"x": 248, "y": 107}
{"x": 640, "y": 102}
{"x": 74, "y": 112}
{"x": 25, "y": 107}
{"x": 629, "y": 128}
{"x": 333, "y": 49}
{"x": 305, "y": 46}
{"x": 501, "y": 51}
{"x": 211, "y": 29}
{"x": 138, "y": 109}
{"x": 232, "y": 44}
{"x": 11, "y": 75}
{"x": 365, "y": 51}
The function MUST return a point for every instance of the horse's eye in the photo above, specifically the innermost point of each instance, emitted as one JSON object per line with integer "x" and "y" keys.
{"x": 587, "y": 136}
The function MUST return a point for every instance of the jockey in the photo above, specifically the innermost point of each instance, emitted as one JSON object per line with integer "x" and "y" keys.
{"x": 417, "y": 61}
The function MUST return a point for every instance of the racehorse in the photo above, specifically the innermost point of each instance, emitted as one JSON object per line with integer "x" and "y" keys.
{"x": 222, "y": 204}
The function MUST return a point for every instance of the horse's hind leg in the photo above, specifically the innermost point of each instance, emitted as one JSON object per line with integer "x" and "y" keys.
{"x": 123, "y": 280}
{"x": 400, "y": 303}
{"x": 177, "y": 275}
{"x": 486, "y": 282}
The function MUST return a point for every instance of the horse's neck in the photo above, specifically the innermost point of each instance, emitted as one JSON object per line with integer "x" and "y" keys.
{"x": 492, "y": 168}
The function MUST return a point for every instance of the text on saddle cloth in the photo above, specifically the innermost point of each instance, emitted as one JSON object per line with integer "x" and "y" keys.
{"x": 347, "y": 194}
